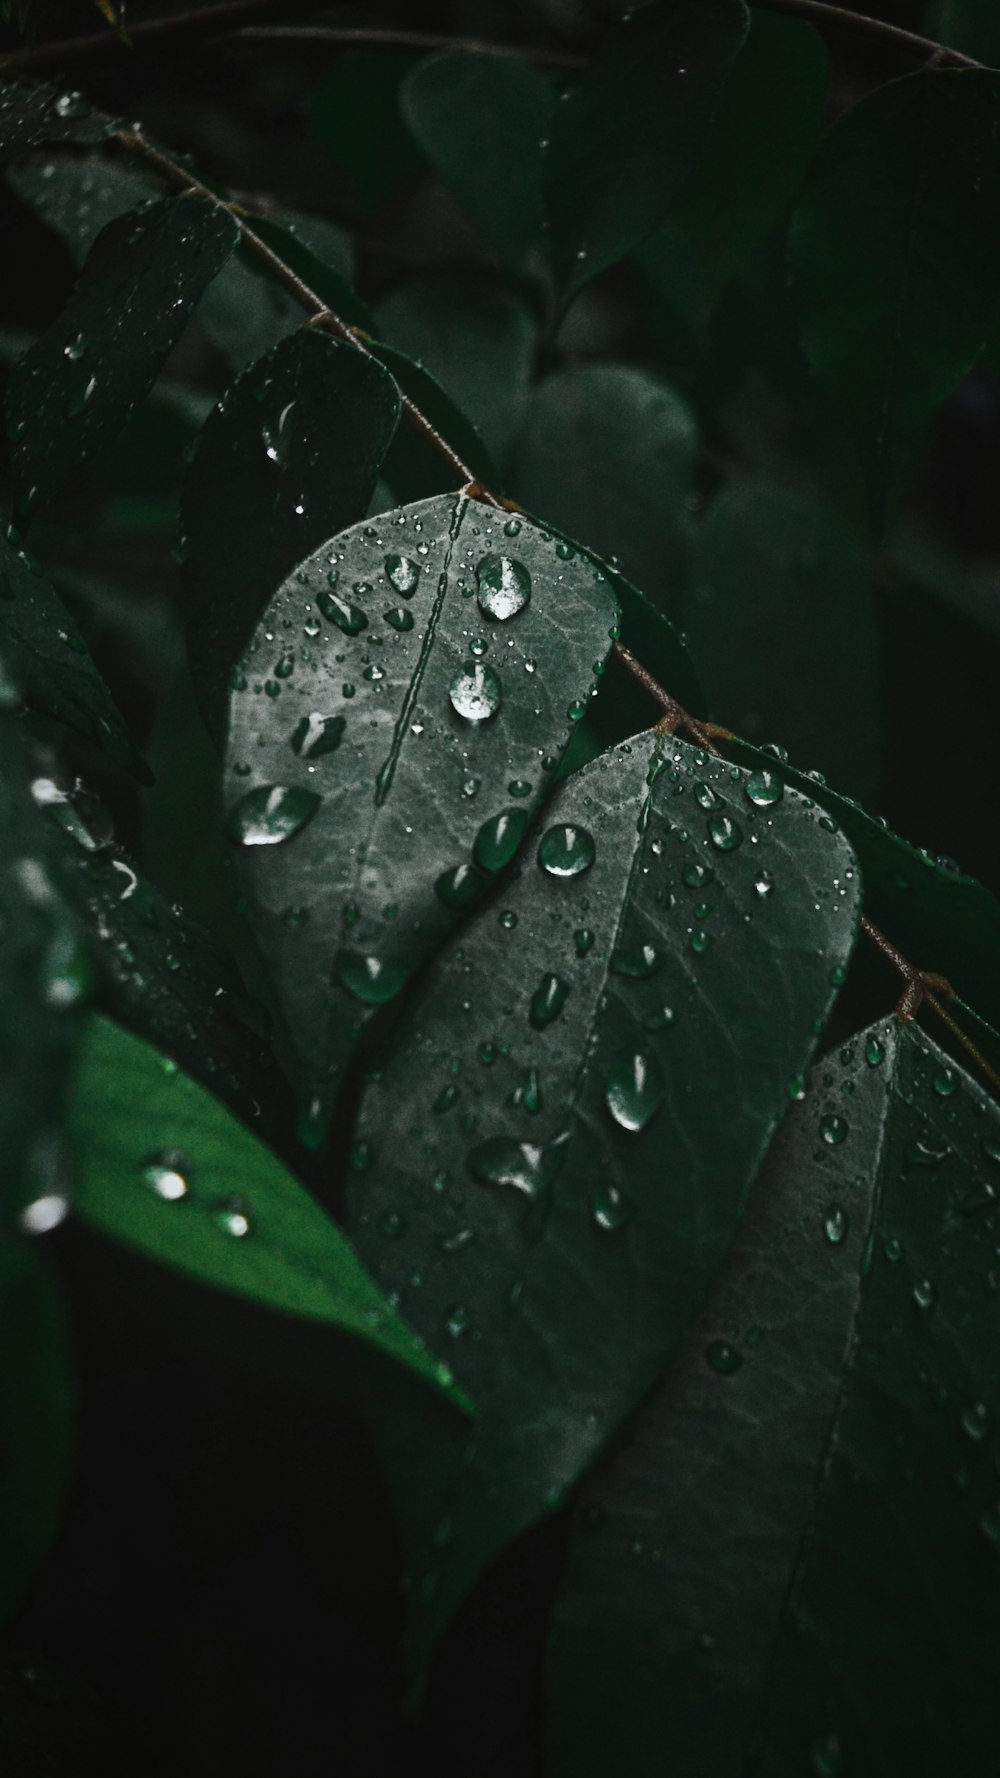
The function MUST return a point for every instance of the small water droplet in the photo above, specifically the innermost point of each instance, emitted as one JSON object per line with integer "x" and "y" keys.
{"x": 924, "y": 1294}
{"x": 763, "y": 882}
{"x": 548, "y": 1000}
{"x": 874, "y": 1052}
{"x": 166, "y": 1174}
{"x": 764, "y": 787}
{"x": 475, "y": 692}
{"x": 639, "y": 961}
{"x": 76, "y": 347}
{"x": 635, "y": 1089}
{"x": 946, "y": 1082}
{"x": 835, "y": 1224}
{"x": 583, "y": 939}
{"x": 696, "y": 876}
{"x": 458, "y": 888}
{"x": 725, "y": 833}
{"x": 531, "y": 1168}
{"x": 349, "y": 618}
{"x": 317, "y": 735}
{"x": 370, "y": 979}
{"x": 833, "y": 1129}
{"x": 504, "y": 587}
{"x": 457, "y": 1321}
{"x": 399, "y": 618}
{"x": 403, "y": 575}
{"x": 271, "y": 813}
{"x": 610, "y": 1207}
{"x": 724, "y": 1359}
{"x": 72, "y": 105}
{"x": 705, "y": 796}
{"x": 976, "y": 1422}
{"x": 498, "y": 839}
{"x": 566, "y": 850}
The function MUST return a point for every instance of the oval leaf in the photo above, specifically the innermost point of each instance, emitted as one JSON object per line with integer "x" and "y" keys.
{"x": 32, "y": 115}
{"x": 558, "y": 1145}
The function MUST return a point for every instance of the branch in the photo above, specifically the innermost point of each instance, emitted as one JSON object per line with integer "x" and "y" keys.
{"x": 152, "y": 34}
{"x": 840, "y": 18}
{"x": 674, "y": 718}
{"x": 922, "y": 988}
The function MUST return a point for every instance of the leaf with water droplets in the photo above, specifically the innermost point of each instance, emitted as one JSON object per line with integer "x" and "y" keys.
{"x": 893, "y": 260}
{"x": 43, "y": 648}
{"x": 165, "y": 1168}
{"x": 33, "y": 115}
{"x": 412, "y": 814}
{"x": 603, "y": 1124}
{"x": 816, "y": 1459}
{"x": 620, "y": 145}
{"x": 289, "y": 456}
{"x": 73, "y": 391}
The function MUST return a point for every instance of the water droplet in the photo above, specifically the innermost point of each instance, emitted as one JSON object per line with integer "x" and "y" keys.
{"x": 723, "y": 1358}
{"x": 923, "y": 1154}
{"x": 763, "y": 882}
{"x": 610, "y": 1207}
{"x": 576, "y": 711}
{"x": 874, "y": 1052}
{"x": 475, "y": 692}
{"x": 797, "y": 1087}
{"x": 44, "y": 1213}
{"x": 696, "y": 876}
{"x": 166, "y": 1174}
{"x": 457, "y": 1321}
{"x": 72, "y": 105}
{"x": 701, "y": 942}
{"x": 349, "y": 618}
{"x": 976, "y": 1422}
{"x": 398, "y": 617}
{"x": 370, "y": 979}
{"x": 833, "y": 1129}
{"x": 81, "y": 397}
{"x": 519, "y": 787}
{"x": 548, "y": 1000}
{"x": 504, "y": 587}
{"x": 724, "y": 832}
{"x": 498, "y": 839}
{"x": 946, "y": 1082}
{"x": 403, "y": 575}
{"x": 271, "y": 813}
{"x": 583, "y": 939}
{"x": 362, "y": 1157}
{"x": 705, "y": 796}
{"x": 76, "y": 347}
{"x": 458, "y": 888}
{"x": 835, "y": 1224}
{"x": 764, "y": 787}
{"x": 566, "y": 851}
{"x": 924, "y": 1293}
{"x": 660, "y": 1020}
{"x": 316, "y": 735}
{"x": 639, "y": 961}
{"x": 512, "y": 527}
{"x": 285, "y": 667}
{"x": 231, "y": 1215}
{"x": 531, "y": 1168}
{"x": 391, "y": 1224}
{"x": 635, "y": 1089}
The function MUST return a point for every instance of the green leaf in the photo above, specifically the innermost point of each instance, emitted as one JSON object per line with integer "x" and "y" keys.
{"x": 76, "y": 387}
{"x": 32, "y": 115}
{"x": 481, "y": 120}
{"x": 477, "y": 336}
{"x": 558, "y": 1144}
{"x": 781, "y": 618}
{"x": 895, "y": 266}
{"x": 78, "y": 198}
{"x": 621, "y": 144}
{"x": 398, "y": 715}
{"x": 247, "y": 311}
{"x": 414, "y": 468}
{"x": 354, "y": 115}
{"x": 43, "y": 648}
{"x": 163, "y": 1167}
{"x": 765, "y": 130}
{"x": 972, "y": 26}
{"x": 319, "y": 253}
{"x": 824, "y": 1471}
{"x": 36, "y": 1413}
{"x": 608, "y": 452}
{"x": 289, "y": 456}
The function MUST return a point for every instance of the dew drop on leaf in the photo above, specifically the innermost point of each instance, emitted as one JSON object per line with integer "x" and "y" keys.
{"x": 566, "y": 851}
{"x": 638, "y": 961}
{"x": 349, "y": 618}
{"x": 231, "y": 1215}
{"x": 610, "y": 1207}
{"x": 403, "y": 575}
{"x": 835, "y": 1224}
{"x": 316, "y": 735}
{"x": 548, "y": 1000}
{"x": 833, "y": 1129}
{"x": 723, "y": 1358}
{"x": 498, "y": 839}
{"x": 271, "y": 813}
{"x": 370, "y": 979}
{"x": 458, "y": 888}
{"x": 399, "y": 618}
{"x": 725, "y": 833}
{"x": 764, "y": 788}
{"x": 635, "y": 1089}
{"x": 166, "y": 1174}
{"x": 475, "y": 692}
{"x": 504, "y": 587}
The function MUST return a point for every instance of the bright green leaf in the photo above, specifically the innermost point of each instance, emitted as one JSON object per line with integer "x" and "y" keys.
{"x": 74, "y": 389}
{"x": 559, "y": 1142}
{"x": 621, "y": 144}
{"x": 163, "y": 1167}
{"x": 397, "y": 719}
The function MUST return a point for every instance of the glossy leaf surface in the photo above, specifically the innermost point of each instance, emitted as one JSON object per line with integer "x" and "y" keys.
{"x": 895, "y": 268}
{"x": 559, "y": 1143}
{"x": 43, "y": 648}
{"x": 31, "y": 116}
{"x": 403, "y": 706}
{"x": 620, "y": 145}
{"x": 162, "y": 1166}
{"x": 75, "y": 388}
{"x": 481, "y": 120}
{"x": 289, "y": 456}
{"x": 738, "y": 1562}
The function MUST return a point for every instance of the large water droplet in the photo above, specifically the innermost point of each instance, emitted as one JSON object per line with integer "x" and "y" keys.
{"x": 635, "y": 1089}
{"x": 725, "y": 833}
{"x": 458, "y": 888}
{"x": 566, "y": 850}
{"x": 349, "y": 618}
{"x": 548, "y": 1000}
{"x": 316, "y": 735}
{"x": 44, "y": 1213}
{"x": 530, "y": 1167}
{"x": 271, "y": 813}
{"x": 833, "y": 1129}
{"x": 504, "y": 587}
{"x": 403, "y": 574}
{"x": 370, "y": 979}
{"x": 498, "y": 839}
{"x": 399, "y": 618}
{"x": 475, "y": 692}
{"x": 639, "y": 961}
{"x": 610, "y": 1207}
{"x": 764, "y": 787}
{"x": 166, "y": 1174}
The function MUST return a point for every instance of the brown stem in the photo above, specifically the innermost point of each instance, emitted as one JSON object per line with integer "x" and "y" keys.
{"x": 674, "y": 718}
{"x": 922, "y": 988}
{"x": 843, "y": 19}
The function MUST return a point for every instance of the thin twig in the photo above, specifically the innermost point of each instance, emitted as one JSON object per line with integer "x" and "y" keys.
{"x": 674, "y": 718}
{"x": 842, "y": 19}
{"x": 150, "y": 34}
{"x": 339, "y": 37}
{"x": 921, "y": 987}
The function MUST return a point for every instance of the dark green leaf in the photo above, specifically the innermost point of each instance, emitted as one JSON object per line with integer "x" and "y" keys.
{"x": 314, "y": 249}
{"x": 77, "y": 198}
{"x": 415, "y": 468}
{"x": 559, "y": 1143}
{"x": 76, "y": 387}
{"x": 765, "y": 130}
{"x": 481, "y": 120}
{"x": 972, "y": 26}
{"x": 477, "y": 337}
{"x": 31, "y": 115}
{"x": 288, "y": 457}
{"x": 895, "y": 265}
{"x": 397, "y": 719}
{"x": 165, "y": 1168}
{"x": 622, "y": 142}
{"x": 354, "y": 114}
{"x": 781, "y": 618}
{"x": 36, "y": 1414}
{"x": 608, "y": 452}
{"x": 44, "y": 649}
{"x": 821, "y": 1456}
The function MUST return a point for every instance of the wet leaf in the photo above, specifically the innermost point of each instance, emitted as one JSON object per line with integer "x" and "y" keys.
{"x": 480, "y": 120}
{"x": 478, "y": 337}
{"x": 820, "y": 1456}
{"x": 33, "y": 115}
{"x": 289, "y": 456}
{"x": 621, "y": 144}
{"x": 895, "y": 268}
{"x": 43, "y": 648}
{"x": 248, "y": 311}
{"x": 609, "y": 452}
{"x": 77, "y": 198}
{"x": 74, "y": 390}
{"x": 163, "y": 1167}
{"x": 559, "y": 1141}
{"x": 414, "y": 468}
{"x": 401, "y": 710}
